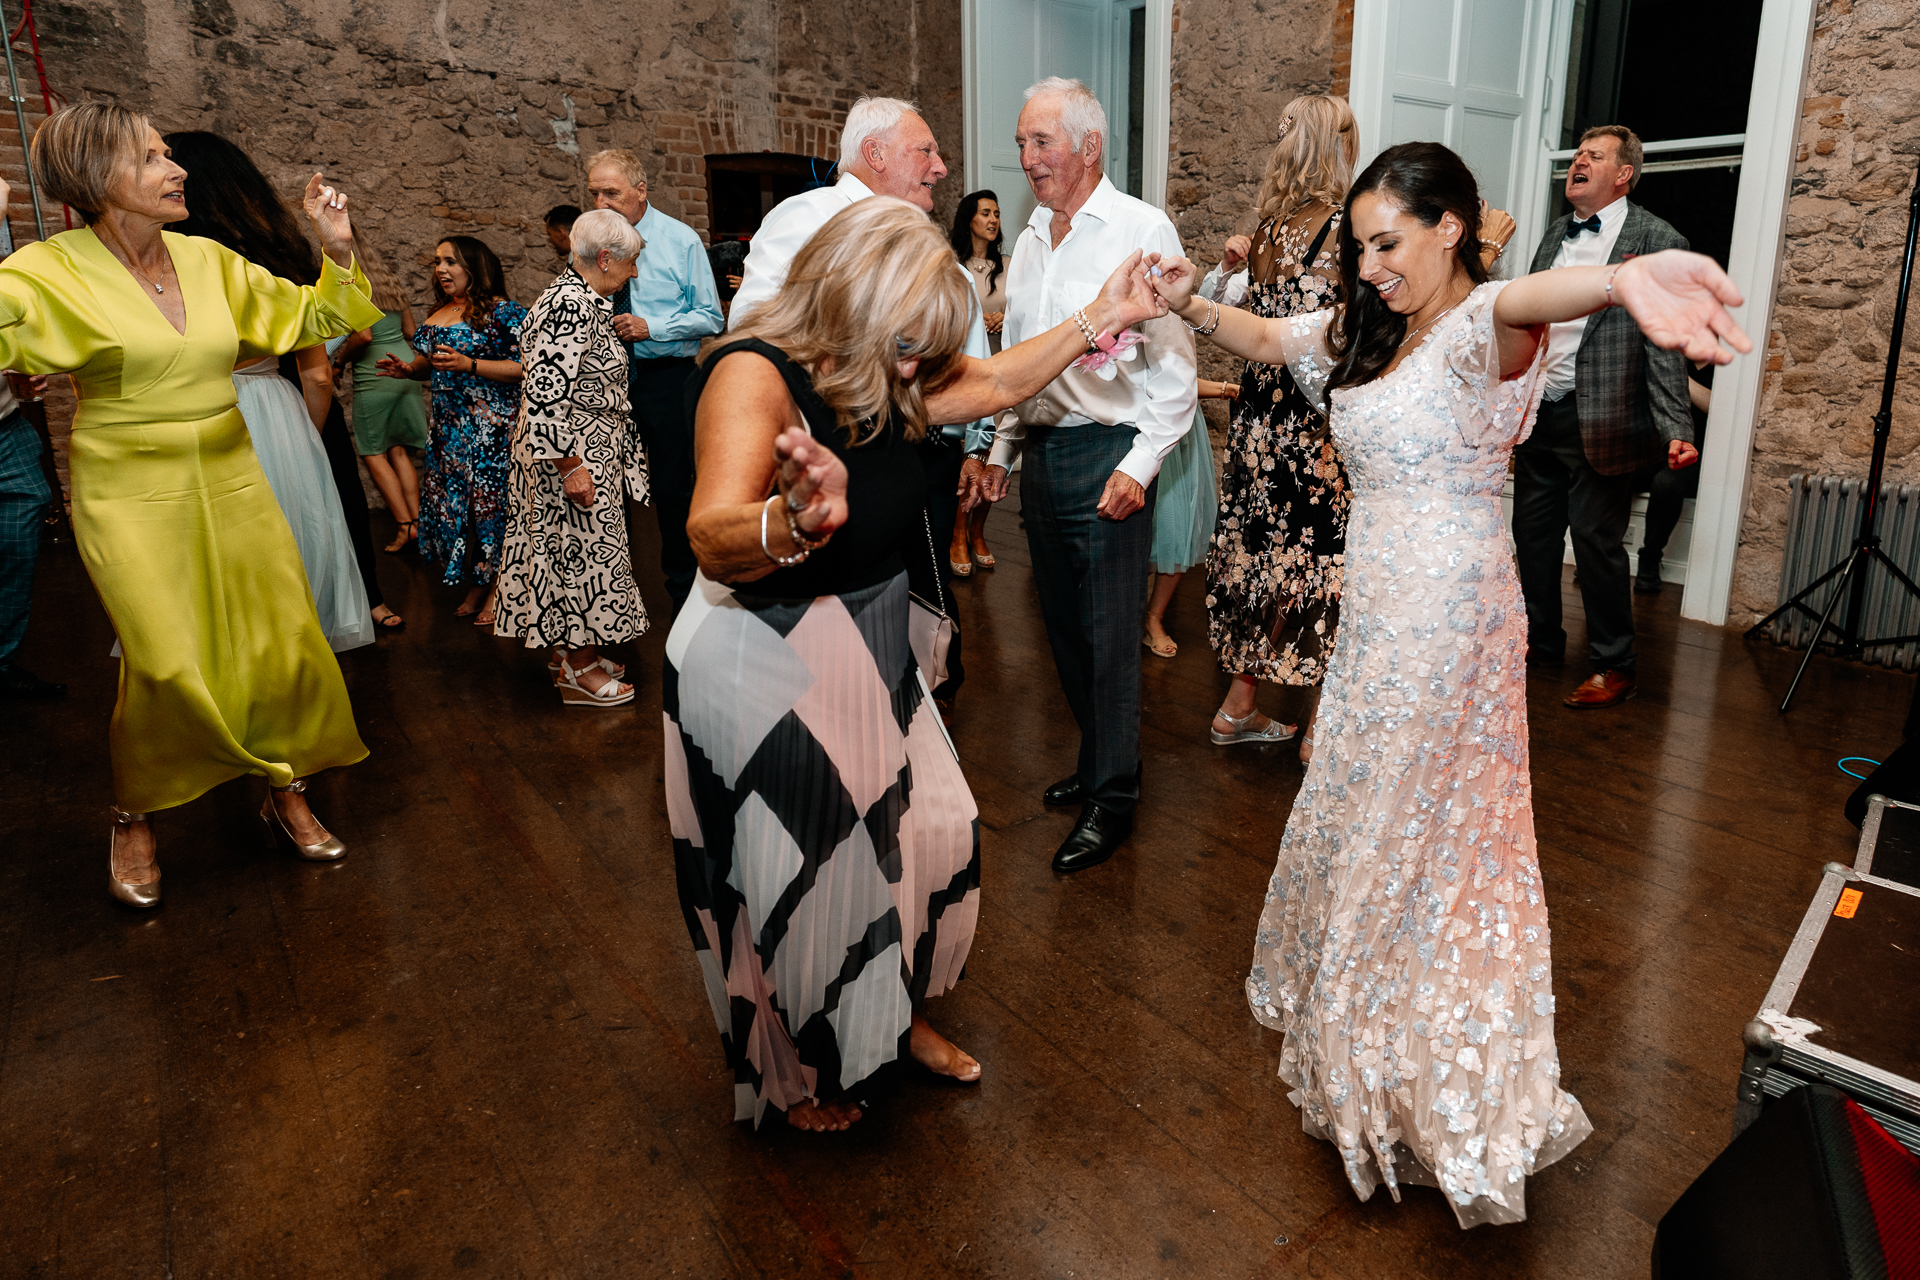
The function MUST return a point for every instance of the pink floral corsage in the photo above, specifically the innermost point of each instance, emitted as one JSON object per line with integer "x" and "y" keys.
{"x": 1105, "y": 362}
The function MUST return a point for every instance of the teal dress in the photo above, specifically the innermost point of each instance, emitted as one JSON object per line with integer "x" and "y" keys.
{"x": 1187, "y": 503}
{"x": 387, "y": 411}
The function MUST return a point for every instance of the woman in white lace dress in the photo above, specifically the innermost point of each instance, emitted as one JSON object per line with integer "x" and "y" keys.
{"x": 1403, "y": 951}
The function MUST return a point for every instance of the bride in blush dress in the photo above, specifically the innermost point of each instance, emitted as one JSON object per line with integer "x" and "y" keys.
{"x": 1404, "y": 949}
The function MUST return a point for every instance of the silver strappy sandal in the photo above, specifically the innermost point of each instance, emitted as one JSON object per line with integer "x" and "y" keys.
{"x": 1274, "y": 732}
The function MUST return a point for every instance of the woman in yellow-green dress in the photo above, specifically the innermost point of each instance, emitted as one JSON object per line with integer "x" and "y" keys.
{"x": 224, "y": 671}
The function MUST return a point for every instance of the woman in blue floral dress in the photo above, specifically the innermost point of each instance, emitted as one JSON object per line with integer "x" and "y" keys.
{"x": 470, "y": 353}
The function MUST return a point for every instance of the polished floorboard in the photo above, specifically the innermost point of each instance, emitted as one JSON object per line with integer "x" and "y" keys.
{"x": 480, "y": 1046}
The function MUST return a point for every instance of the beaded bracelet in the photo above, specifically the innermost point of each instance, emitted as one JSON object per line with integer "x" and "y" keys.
{"x": 799, "y": 536}
{"x": 1610, "y": 275}
{"x": 565, "y": 474}
{"x": 1086, "y": 329}
{"x": 782, "y": 561}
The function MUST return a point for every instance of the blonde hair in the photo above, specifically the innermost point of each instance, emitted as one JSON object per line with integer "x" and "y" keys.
{"x": 625, "y": 161}
{"x": 81, "y": 153}
{"x": 386, "y": 288}
{"x": 878, "y": 270}
{"x": 1314, "y": 158}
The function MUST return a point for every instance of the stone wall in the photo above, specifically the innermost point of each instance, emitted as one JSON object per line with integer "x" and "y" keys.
{"x": 1846, "y": 221}
{"x": 470, "y": 116}
{"x": 1236, "y": 63}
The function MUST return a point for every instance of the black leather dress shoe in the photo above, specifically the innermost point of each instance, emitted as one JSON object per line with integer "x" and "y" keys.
{"x": 1099, "y": 832}
{"x": 18, "y": 682}
{"x": 1065, "y": 792}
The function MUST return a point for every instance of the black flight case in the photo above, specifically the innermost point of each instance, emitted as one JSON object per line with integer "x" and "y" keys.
{"x": 1844, "y": 1009}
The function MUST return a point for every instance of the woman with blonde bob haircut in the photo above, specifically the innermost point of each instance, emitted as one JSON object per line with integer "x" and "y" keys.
{"x": 225, "y": 671}
{"x": 824, "y": 838}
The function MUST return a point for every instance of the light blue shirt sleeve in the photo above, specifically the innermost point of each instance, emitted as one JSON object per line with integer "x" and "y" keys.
{"x": 674, "y": 290}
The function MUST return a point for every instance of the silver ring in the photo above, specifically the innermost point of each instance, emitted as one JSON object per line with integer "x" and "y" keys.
{"x": 795, "y": 507}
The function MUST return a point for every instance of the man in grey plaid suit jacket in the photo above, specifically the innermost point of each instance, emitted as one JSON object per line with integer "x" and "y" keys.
{"x": 1616, "y": 407}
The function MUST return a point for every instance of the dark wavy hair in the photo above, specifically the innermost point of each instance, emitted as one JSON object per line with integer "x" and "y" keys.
{"x": 1428, "y": 181}
{"x": 230, "y": 201}
{"x": 961, "y": 237}
{"x": 486, "y": 282}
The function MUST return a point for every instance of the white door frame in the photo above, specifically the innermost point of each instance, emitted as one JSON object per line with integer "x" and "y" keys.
{"x": 1157, "y": 129}
{"x": 1753, "y": 261}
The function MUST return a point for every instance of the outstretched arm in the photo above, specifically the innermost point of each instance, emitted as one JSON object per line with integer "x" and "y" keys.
{"x": 982, "y": 387}
{"x": 1240, "y": 332}
{"x": 1678, "y": 299}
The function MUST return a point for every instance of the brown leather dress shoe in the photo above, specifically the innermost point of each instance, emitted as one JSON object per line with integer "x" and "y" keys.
{"x": 1602, "y": 689}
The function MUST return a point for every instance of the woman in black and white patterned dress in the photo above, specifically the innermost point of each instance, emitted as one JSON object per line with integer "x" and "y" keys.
{"x": 566, "y": 574}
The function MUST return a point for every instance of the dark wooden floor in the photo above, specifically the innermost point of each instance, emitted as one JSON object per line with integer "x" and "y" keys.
{"x": 480, "y": 1045}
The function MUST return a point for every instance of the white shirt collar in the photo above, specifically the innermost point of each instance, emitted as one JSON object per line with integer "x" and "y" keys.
{"x": 852, "y": 187}
{"x": 1612, "y": 216}
{"x": 1099, "y": 205}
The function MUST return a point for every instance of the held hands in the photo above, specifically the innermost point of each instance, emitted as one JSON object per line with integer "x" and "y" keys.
{"x": 1236, "y": 253}
{"x": 327, "y": 210}
{"x": 630, "y": 329}
{"x": 1128, "y": 294}
{"x": 1680, "y": 302}
{"x": 1176, "y": 280}
{"x": 980, "y": 483}
{"x": 994, "y": 320}
{"x": 813, "y": 481}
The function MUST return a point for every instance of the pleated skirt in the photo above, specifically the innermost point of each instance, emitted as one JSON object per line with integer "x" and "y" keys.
{"x": 825, "y": 843}
{"x": 1186, "y": 504}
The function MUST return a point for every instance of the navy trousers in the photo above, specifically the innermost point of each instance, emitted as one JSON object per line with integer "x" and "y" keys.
{"x": 24, "y": 496}
{"x": 657, "y": 391}
{"x": 1554, "y": 489}
{"x": 1092, "y": 577}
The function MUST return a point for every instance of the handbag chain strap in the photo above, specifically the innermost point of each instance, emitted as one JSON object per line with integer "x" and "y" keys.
{"x": 927, "y": 522}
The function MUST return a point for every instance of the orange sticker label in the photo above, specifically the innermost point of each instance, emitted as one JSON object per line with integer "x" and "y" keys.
{"x": 1848, "y": 904}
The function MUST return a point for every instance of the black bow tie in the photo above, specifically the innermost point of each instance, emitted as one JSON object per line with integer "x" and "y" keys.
{"x": 1591, "y": 224}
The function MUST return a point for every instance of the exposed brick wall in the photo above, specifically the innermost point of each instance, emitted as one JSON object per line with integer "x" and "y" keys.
{"x": 1833, "y": 318}
{"x": 472, "y": 118}
{"x": 1236, "y": 63}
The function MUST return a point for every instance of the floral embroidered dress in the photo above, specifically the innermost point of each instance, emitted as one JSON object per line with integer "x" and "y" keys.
{"x": 1404, "y": 949}
{"x": 1273, "y": 573}
{"x": 463, "y": 495}
{"x": 566, "y": 574}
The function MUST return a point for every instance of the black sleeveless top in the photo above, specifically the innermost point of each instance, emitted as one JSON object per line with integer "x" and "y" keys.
{"x": 886, "y": 493}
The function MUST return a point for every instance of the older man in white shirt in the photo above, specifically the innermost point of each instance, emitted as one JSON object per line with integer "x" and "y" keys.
{"x": 886, "y": 149}
{"x": 1093, "y": 446}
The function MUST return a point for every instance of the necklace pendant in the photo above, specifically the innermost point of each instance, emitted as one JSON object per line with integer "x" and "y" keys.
{"x": 159, "y": 288}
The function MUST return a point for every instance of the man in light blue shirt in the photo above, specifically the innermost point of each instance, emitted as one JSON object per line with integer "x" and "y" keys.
{"x": 662, "y": 314}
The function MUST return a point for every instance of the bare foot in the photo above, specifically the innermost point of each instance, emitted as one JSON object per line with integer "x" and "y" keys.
{"x": 940, "y": 1055}
{"x": 471, "y": 605}
{"x": 486, "y": 615}
{"x": 133, "y": 850}
{"x": 1158, "y": 640}
{"x": 292, "y": 807}
{"x": 823, "y": 1117}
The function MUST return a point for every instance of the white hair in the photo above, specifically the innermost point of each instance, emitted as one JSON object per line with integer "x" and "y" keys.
{"x": 1080, "y": 112}
{"x": 870, "y": 118}
{"x": 606, "y": 229}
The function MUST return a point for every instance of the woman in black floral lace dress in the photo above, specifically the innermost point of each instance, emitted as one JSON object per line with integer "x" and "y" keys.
{"x": 1273, "y": 573}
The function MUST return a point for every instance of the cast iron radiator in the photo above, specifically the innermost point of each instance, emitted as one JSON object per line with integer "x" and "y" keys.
{"x": 1823, "y": 518}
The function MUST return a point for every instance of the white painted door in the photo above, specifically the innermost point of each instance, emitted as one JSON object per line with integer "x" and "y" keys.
{"x": 1015, "y": 43}
{"x": 1467, "y": 73}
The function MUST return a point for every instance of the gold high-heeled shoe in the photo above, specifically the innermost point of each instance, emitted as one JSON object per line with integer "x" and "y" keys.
{"x": 134, "y": 895}
{"x": 328, "y": 850}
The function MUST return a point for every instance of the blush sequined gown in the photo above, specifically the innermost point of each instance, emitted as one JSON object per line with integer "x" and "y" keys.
{"x": 1403, "y": 950}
